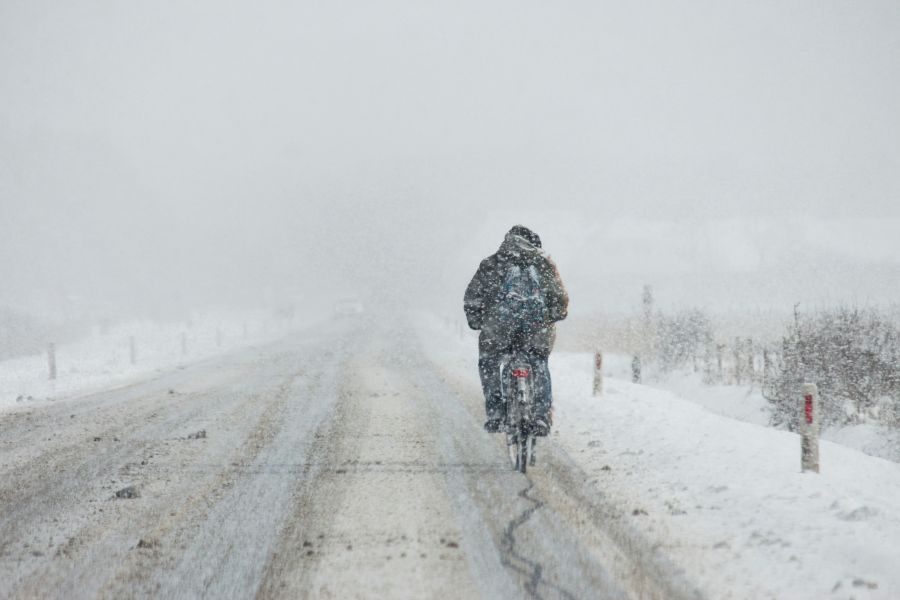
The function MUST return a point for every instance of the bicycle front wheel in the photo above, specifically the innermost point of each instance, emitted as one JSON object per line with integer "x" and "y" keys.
{"x": 523, "y": 452}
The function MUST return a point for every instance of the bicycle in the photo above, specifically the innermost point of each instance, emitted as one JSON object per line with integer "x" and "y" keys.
{"x": 517, "y": 391}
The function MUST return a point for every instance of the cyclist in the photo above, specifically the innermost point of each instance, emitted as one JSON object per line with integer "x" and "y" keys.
{"x": 515, "y": 298}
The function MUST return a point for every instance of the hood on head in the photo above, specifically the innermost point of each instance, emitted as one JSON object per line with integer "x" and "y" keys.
{"x": 521, "y": 242}
{"x": 523, "y": 232}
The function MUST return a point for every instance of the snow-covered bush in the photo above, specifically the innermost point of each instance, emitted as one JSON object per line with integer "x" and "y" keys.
{"x": 852, "y": 355}
{"x": 682, "y": 339}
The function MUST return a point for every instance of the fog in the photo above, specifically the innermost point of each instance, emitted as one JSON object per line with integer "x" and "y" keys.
{"x": 158, "y": 157}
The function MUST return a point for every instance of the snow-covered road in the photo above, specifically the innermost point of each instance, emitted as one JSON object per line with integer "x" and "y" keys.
{"x": 340, "y": 463}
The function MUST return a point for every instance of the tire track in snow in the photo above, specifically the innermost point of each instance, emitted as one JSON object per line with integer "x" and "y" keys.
{"x": 231, "y": 548}
{"x": 100, "y": 535}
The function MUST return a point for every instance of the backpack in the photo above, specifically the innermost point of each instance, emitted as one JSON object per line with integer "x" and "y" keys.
{"x": 521, "y": 305}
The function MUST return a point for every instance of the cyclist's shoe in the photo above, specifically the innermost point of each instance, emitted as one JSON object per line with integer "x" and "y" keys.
{"x": 493, "y": 425}
{"x": 540, "y": 426}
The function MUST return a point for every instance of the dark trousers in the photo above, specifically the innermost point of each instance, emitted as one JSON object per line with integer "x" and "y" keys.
{"x": 489, "y": 369}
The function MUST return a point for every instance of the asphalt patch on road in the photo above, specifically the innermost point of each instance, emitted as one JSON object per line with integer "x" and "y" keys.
{"x": 128, "y": 493}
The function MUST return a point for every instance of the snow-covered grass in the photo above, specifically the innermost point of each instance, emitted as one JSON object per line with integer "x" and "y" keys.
{"x": 742, "y": 402}
{"x": 724, "y": 498}
{"x": 103, "y": 360}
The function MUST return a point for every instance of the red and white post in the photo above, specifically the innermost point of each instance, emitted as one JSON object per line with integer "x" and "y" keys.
{"x": 598, "y": 373}
{"x": 809, "y": 428}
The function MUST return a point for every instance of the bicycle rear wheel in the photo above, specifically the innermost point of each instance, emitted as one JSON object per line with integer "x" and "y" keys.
{"x": 512, "y": 448}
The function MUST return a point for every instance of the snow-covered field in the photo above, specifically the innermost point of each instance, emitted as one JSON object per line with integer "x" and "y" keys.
{"x": 724, "y": 498}
{"x": 103, "y": 360}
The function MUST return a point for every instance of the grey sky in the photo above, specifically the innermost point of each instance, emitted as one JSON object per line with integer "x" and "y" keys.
{"x": 200, "y": 150}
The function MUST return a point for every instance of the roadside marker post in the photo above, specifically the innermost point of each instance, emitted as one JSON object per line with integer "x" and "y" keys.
{"x": 598, "y": 373}
{"x": 809, "y": 428}
{"x": 51, "y": 359}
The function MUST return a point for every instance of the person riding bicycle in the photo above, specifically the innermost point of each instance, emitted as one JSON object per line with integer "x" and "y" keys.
{"x": 515, "y": 298}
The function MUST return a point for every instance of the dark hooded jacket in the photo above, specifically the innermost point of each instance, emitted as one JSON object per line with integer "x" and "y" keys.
{"x": 484, "y": 291}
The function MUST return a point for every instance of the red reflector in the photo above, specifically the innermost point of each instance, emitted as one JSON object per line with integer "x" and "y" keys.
{"x": 808, "y": 409}
{"x": 520, "y": 372}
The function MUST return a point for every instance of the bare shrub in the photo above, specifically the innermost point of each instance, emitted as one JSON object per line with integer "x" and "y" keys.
{"x": 853, "y": 355}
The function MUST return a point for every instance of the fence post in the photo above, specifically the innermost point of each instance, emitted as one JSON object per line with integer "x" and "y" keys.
{"x": 636, "y": 369}
{"x": 721, "y": 374}
{"x": 751, "y": 362}
{"x": 809, "y": 429}
{"x": 598, "y": 373}
{"x": 132, "y": 350}
{"x": 51, "y": 359}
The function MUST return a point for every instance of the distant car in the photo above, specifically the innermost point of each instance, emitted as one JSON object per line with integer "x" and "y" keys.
{"x": 348, "y": 308}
